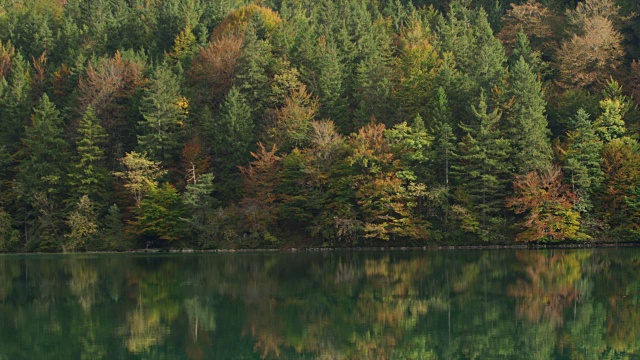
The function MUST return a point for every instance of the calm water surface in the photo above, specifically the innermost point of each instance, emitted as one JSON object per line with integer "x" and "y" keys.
{"x": 494, "y": 304}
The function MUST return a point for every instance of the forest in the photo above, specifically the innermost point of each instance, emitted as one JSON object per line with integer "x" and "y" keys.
{"x": 194, "y": 124}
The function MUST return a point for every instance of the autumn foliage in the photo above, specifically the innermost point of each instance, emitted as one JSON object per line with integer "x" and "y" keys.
{"x": 548, "y": 207}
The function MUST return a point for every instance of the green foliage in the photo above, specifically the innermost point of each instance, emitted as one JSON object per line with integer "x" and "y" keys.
{"x": 161, "y": 214}
{"x": 610, "y": 125}
{"x": 233, "y": 136}
{"x": 83, "y": 227}
{"x": 112, "y": 235}
{"x": 9, "y": 236}
{"x": 90, "y": 174}
{"x": 583, "y": 160}
{"x": 140, "y": 174}
{"x": 164, "y": 111}
{"x": 525, "y": 121}
{"x": 43, "y": 156}
{"x": 482, "y": 173}
{"x": 390, "y": 118}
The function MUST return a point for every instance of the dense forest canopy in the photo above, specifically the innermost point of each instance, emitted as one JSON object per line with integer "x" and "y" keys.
{"x": 231, "y": 123}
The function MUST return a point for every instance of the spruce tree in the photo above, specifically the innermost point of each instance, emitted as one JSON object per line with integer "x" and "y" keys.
{"x": 583, "y": 160}
{"x": 40, "y": 181}
{"x": 15, "y": 103}
{"x": 163, "y": 110}
{"x": 43, "y": 157}
{"x": 526, "y": 123}
{"x": 523, "y": 49}
{"x": 478, "y": 54}
{"x": 483, "y": 173}
{"x": 252, "y": 73}
{"x": 443, "y": 149}
{"x": 233, "y": 136}
{"x": 89, "y": 171}
{"x": 610, "y": 125}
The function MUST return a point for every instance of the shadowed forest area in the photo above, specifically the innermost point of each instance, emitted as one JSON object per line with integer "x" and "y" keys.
{"x": 277, "y": 123}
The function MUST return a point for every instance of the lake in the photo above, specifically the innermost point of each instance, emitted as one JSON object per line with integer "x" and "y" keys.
{"x": 458, "y": 304}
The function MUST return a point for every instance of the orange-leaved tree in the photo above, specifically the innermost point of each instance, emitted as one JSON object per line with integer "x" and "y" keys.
{"x": 261, "y": 177}
{"x": 548, "y": 207}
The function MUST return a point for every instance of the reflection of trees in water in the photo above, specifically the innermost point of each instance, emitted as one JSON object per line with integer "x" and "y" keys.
{"x": 550, "y": 287}
{"x": 448, "y": 305}
{"x": 83, "y": 282}
{"x": 356, "y": 311}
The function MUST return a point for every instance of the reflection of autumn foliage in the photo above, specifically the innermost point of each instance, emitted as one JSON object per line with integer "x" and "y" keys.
{"x": 83, "y": 283}
{"x": 145, "y": 330}
{"x": 148, "y": 324}
{"x": 623, "y": 325}
{"x": 550, "y": 287}
{"x": 368, "y": 321}
{"x": 265, "y": 329}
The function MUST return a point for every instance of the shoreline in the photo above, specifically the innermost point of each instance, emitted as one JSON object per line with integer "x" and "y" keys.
{"x": 353, "y": 249}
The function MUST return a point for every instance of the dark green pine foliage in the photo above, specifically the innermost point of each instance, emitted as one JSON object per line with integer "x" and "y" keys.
{"x": 444, "y": 143}
{"x": 163, "y": 110}
{"x": 478, "y": 54}
{"x": 233, "y": 136}
{"x": 113, "y": 235}
{"x": 525, "y": 121}
{"x": 523, "y": 49}
{"x": 40, "y": 182}
{"x": 253, "y": 72}
{"x": 483, "y": 173}
{"x": 89, "y": 172}
{"x": 15, "y": 103}
{"x": 583, "y": 160}
{"x": 330, "y": 85}
{"x": 43, "y": 157}
{"x": 161, "y": 214}
{"x": 373, "y": 80}
{"x": 299, "y": 203}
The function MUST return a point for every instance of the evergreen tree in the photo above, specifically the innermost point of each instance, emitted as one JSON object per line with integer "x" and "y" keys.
{"x": 583, "y": 160}
{"x": 330, "y": 85}
{"x": 252, "y": 74}
{"x": 113, "y": 235}
{"x": 43, "y": 157}
{"x": 83, "y": 226}
{"x": 15, "y": 102}
{"x": 483, "y": 173}
{"x": 373, "y": 81}
{"x": 523, "y": 50}
{"x": 9, "y": 236}
{"x": 40, "y": 180}
{"x": 610, "y": 125}
{"x": 525, "y": 120}
{"x": 233, "y": 136}
{"x": 444, "y": 144}
{"x": 418, "y": 65}
{"x": 90, "y": 173}
{"x": 164, "y": 111}
{"x": 478, "y": 54}
{"x": 161, "y": 214}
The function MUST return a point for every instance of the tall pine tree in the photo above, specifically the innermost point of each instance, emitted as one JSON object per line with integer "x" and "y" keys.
{"x": 233, "y": 136}
{"x": 163, "y": 111}
{"x": 89, "y": 171}
{"x": 483, "y": 173}
{"x": 525, "y": 120}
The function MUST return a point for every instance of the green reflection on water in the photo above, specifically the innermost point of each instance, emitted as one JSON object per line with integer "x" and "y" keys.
{"x": 577, "y": 304}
